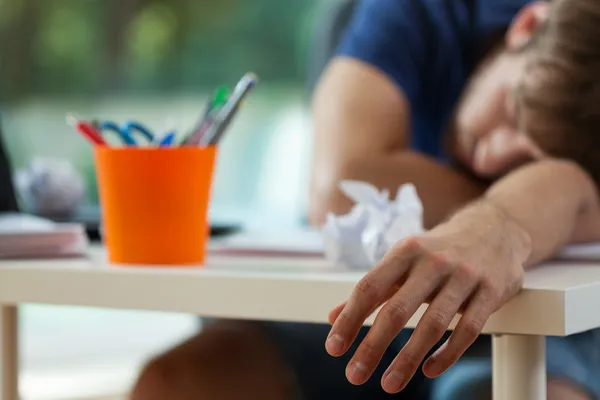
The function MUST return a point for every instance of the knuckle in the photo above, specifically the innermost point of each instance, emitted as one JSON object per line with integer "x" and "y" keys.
{"x": 473, "y": 328}
{"x": 396, "y": 313}
{"x": 369, "y": 351}
{"x": 469, "y": 272}
{"x": 409, "y": 358}
{"x": 367, "y": 287}
{"x": 343, "y": 320}
{"x": 410, "y": 245}
{"x": 491, "y": 288}
{"x": 439, "y": 262}
{"x": 436, "y": 323}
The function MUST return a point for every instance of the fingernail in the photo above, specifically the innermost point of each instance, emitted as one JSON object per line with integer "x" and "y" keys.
{"x": 393, "y": 382}
{"x": 335, "y": 344}
{"x": 356, "y": 372}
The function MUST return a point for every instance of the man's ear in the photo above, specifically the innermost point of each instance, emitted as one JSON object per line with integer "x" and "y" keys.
{"x": 526, "y": 23}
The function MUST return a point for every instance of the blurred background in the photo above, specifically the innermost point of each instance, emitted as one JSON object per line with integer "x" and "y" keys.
{"x": 157, "y": 61}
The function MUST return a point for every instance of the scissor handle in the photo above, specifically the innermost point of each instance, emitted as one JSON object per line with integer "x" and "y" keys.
{"x": 136, "y": 126}
{"x": 113, "y": 127}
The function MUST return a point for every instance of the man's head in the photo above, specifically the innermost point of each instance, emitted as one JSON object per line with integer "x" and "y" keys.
{"x": 539, "y": 94}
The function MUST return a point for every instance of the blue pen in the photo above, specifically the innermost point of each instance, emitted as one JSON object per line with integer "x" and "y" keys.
{"x": 167, "y": 140}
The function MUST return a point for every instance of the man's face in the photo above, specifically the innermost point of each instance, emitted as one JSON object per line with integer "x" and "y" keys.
{"x": 489, "y": 136}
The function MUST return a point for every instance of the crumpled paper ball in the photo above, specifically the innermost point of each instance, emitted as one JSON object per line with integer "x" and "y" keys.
{"x": 50, "y": 187}
{"x": 361, "y": 238}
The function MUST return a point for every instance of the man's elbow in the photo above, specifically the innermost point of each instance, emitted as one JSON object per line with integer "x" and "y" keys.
{"x": 325, "y": 197}
{"x": 320, "y": 204}
{"x": 317, "y": 212}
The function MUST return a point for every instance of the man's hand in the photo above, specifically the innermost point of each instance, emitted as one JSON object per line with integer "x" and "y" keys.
{"x": 472, "y": 264}
{"x": 463, "y": 265}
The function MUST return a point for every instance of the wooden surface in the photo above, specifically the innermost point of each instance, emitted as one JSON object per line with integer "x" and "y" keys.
{"x": 557, "y": 299}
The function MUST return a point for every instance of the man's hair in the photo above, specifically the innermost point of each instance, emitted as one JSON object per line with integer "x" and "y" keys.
{"x": 560, "y": 91}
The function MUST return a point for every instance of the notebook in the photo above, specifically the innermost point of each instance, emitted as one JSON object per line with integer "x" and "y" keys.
{"x": 28, "y": 236}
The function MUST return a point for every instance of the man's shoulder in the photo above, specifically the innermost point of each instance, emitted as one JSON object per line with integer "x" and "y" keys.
{"x": 406, "y": 38}
{"x": 475, "y": 13}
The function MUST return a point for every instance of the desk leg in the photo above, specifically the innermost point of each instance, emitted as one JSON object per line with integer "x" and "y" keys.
{"x": 9, "y": 369}
{"x": 519, "y": 364}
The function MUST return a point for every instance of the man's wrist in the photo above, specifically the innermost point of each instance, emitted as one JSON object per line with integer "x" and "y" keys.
{"x": 495, "y": 223}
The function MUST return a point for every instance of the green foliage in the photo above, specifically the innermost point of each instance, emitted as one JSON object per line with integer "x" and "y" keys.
{"x": 92, "y": 47}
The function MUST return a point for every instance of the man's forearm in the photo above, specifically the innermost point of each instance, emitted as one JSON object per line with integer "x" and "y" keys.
{"x": 441, "y": 189}
{"x": 545, "y": 206}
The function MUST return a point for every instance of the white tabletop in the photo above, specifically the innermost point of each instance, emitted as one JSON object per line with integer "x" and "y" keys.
{"x": 557, "y": 299}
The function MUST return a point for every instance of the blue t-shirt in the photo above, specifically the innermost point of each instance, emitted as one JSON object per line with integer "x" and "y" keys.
{"x": 429, "y": 48}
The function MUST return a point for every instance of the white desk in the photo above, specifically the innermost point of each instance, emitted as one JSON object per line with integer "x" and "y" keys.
{"x": 558, "y": 299}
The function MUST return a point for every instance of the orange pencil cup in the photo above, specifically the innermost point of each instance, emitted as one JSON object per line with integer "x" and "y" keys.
{"x": 155, "y": 203}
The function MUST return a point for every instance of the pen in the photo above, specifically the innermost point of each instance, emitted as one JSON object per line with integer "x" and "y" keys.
{"x": 225, "y": 115}
{"x": 219, "y": 99}
{"x": 167, "y": 140}
{"x": 86, "y": 129}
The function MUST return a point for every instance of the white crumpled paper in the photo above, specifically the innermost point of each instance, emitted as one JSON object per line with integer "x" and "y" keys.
{"x": 360, "y": 239}
{"x": 50, "y": 187}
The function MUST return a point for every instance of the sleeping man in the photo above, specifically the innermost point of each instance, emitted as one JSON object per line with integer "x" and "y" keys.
{"x": 491, "y": 108}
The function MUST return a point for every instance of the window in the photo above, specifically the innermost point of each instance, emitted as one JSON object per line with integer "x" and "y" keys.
{"x": 156, "y": 61}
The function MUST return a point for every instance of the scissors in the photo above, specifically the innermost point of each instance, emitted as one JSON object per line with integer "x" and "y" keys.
{"x": 126, "y": 132}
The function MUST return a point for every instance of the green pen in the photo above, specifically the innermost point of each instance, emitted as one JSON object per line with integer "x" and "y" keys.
{"x": 224, "y": 116}
{"x": 220, "y": 98}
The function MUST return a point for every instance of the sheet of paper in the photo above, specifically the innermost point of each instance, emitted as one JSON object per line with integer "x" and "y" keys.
{"x": 299, "y": 242}
{"x": 580, "y": 252}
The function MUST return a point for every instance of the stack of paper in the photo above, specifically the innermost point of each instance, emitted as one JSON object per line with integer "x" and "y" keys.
{"x": 26, "y": 236}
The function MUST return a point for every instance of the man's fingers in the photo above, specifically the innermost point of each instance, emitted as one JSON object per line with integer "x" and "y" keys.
{"x": 429, "y": 330}
{"x": 335, "y": 313}
{"x": 390, "y": 320}
{"x": 370, "y": 292}
{"x": 468, "y": 329}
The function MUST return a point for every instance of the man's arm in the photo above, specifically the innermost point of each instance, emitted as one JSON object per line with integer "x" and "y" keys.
{"x": 554, "y": 203}
{"x": 361, "y": 125}
{"x": 472, "y": 263}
